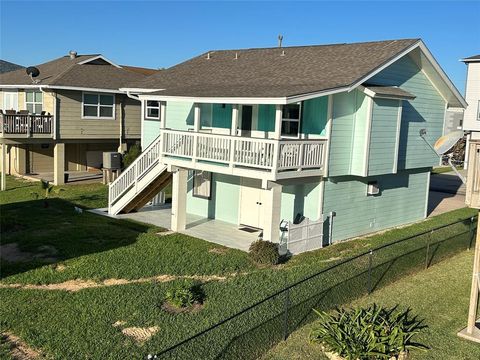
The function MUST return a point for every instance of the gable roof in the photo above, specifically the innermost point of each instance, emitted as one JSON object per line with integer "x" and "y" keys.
{"x": 280, "y": 74}
{"x": 473, "y": 58}
{"x": 83, "y": 71}
{"x": 6, "y": 66}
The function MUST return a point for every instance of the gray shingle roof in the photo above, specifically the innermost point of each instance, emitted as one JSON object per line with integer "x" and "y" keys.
{"x": 65, "y": 71}
{"x": 274, "y": 72}
{"x": 390, "y": 91}
{"x": 6, "y": 66}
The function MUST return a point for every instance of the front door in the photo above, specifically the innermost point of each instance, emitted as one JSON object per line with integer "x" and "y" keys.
{"x": 10, "y": 100}
{"x": 251, "y": 204}
{"x": 247, "y": 118}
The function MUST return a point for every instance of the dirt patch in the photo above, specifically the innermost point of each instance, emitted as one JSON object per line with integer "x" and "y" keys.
{"x": 219, "y": 251}
{"x": 11, "y": 252}
{"x": 77, "y": 285}
{"x": 139, "y": 334}
{"x": 167, "y": 307}
{"x": 165, "y": 233}
{"x": 18, "y": 349}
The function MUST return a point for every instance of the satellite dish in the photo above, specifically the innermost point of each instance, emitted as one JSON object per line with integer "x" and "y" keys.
{"x": 33, "y": 72}
{"x": 446, "y": 142}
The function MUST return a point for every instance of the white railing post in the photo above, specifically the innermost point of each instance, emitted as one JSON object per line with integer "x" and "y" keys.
{"x": 300, "y": 156}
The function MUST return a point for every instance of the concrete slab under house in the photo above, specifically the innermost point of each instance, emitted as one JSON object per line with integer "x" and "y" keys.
{"x": 320, "y": 140}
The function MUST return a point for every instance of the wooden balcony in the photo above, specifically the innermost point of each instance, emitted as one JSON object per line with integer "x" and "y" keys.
{"x": 26, "y": 126}
{"x": 267, "y": 159}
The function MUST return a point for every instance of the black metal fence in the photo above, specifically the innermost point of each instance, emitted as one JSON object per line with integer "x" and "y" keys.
{"x": 251, "y": 332}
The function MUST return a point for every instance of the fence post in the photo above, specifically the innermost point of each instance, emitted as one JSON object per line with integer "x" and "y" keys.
{"x": 427, "y": 255}
{"x": 285, "y": 319}
{"x": 370, "y": 256}
{"x": 472, "y": 221}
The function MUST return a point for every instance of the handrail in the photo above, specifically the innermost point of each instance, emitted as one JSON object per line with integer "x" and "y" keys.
{"x": 26, "y": 124}
{"x": 135, "y": 171}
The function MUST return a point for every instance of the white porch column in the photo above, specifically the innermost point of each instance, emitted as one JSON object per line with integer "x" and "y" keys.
{"x": 4, "y": 167}
{"x": 233, "y": 130}
{"x": 163, "y": 114}
{"x": 179, "y": 200}
{"x": 196, "y": 118}
{"x": 59, "y": 164}
{"x": 278, "y": 122}
{"x": 272, "y": 204}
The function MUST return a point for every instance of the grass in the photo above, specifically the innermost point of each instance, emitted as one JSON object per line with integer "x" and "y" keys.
{"x": 439, "y": 295}
{"x": 444, "y": 169}
{"x": 91, "y": 247}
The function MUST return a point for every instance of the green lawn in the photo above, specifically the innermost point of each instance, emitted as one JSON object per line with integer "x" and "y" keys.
{"x": 95, "y": 248}
{"x": 439, "y": 295}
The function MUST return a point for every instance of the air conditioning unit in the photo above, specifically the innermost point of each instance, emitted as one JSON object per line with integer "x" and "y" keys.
{"x": 112, "y": 160}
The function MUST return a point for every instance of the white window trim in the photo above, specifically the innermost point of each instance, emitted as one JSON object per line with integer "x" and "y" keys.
{"x": 98, "y": 107}
{"x": 152, "y": 107}
{"x": 32, "y": 102}
{"x": 299, "y": 120}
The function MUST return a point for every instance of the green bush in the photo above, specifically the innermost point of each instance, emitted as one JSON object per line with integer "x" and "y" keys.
{"x": 371, "y": 333}
{"x": 184, "y": 294}
{"x": 264, "y": 252}
{"x": 133, "y": 152}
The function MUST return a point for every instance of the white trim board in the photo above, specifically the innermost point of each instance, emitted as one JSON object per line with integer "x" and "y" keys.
{"x": 101, "y": 57}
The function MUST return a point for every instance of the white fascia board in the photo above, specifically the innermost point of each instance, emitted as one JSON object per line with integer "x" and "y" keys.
{"x": 99, "y": 57}
{"x": 466, "y": 61}
{"x": 139, "y": 90}
{"x": 31, "y": 86}
{"x": 111, "y": 91}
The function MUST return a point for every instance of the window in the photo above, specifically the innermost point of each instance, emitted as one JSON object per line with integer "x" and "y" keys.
{"x": 202, "y": 184}
{"x": 33, "y": 101}
{"x": 152, "y": 109}
{"x": 478, "y": 111}
{"x": 291, "y": 120}
{"x": 99, "y": 106}
{"x": 373, "y": 188}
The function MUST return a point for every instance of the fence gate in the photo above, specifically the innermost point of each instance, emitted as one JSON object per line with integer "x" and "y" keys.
{"x": 304, "y": 236}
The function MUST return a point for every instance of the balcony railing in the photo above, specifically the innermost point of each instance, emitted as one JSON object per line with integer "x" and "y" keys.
{"x": 26, "y": 124}
{"x": 275, "y": 156}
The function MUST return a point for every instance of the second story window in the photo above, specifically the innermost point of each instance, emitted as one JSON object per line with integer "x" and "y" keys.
{"x": 34, "y": 101}
{"x": 152, "y": 109}
{"x": 98, "y": 106}
{"x": 291, "y": 120}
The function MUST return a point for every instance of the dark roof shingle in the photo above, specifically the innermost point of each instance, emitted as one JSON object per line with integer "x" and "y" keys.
{"x": 6, "y": 66}
{"x": 274, "y": 72}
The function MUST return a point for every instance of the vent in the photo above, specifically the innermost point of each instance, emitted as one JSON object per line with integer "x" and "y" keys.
{"x": 373, "y": 188}
{"x": 72, "y": 54}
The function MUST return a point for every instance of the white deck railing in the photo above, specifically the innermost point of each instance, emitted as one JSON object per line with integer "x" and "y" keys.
{"x": 265, "y": 154}
{"x": 130, "y": 177}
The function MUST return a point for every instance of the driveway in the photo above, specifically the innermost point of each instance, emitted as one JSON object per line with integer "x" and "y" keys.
{"x": 447, "y": 193}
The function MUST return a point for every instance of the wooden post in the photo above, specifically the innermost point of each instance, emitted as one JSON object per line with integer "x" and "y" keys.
{"x": 179, "y": 200}
{"x": 59, "y": 164}
{"x": 4, "y": 165}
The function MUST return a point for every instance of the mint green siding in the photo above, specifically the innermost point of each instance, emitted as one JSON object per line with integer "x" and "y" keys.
{"x": 300, "y": 198}
{"x": 222, "y": 116}
{"x": 314, "y": 116}
{"x": 383, "y": 136}
{"x": 224, "y": 202}
{"x": 151, "y": 129}
{"x": 347, "y": 142}
{"x": 179, "y": 115}
{"x": 266, "y": 117}
{"x": 426, "y": 111}
{"x": 402, "y": 200}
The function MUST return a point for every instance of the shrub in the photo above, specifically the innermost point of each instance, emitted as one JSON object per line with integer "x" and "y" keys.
{"x": 264, "y": 252}
{"x": 371, "y": 333}
{"x": 133, "y": 152}
{"x": 184, "y": 294}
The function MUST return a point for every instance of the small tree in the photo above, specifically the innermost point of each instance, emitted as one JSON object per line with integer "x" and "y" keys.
{"x": 133, "y": 152}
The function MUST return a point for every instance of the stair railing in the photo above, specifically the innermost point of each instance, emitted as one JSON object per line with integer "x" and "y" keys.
{"x": 135, "y": 171}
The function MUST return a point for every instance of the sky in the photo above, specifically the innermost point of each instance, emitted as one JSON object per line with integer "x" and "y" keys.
{"x": 160, "y": 33}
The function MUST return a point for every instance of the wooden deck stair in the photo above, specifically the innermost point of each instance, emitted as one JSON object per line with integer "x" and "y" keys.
{"x": 147, "y": 194}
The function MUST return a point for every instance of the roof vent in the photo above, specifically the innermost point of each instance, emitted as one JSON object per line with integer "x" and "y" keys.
{"x": 208, "y": 55}
{"x": 236, "y": 55}
{"x": 280, "y": 39}
{"x": 283, "y": 53}
{"x": 72, "y": 54}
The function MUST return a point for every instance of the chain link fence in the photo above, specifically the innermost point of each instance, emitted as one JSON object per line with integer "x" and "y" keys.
{"x": 251, "y": 332}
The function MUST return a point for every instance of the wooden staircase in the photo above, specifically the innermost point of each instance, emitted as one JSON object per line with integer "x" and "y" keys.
{"x": 147, "y": 194}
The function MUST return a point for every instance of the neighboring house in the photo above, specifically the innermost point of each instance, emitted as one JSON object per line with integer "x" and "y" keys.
{"x": 6, "y": 66}
{"x": 471, "y": 118}
{"x": 67, "y": 116}
{"x": 256, "y": 136}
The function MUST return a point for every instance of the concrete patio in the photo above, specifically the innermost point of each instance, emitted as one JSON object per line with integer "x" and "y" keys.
{"x": 210, "y": 230}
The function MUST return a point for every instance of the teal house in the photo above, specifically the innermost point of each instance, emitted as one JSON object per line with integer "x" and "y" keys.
{"x": 307, "y": 145}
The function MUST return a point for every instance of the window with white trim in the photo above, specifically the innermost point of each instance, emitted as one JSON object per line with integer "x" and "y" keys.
{"x": 152, "y": 109}
{"x": 478, "y": 111}
{"x": 99, "y": 106}
{"x": 34, "y": 101}
{"x": 291, "y": 120}
{"x": 202, "y": 184}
